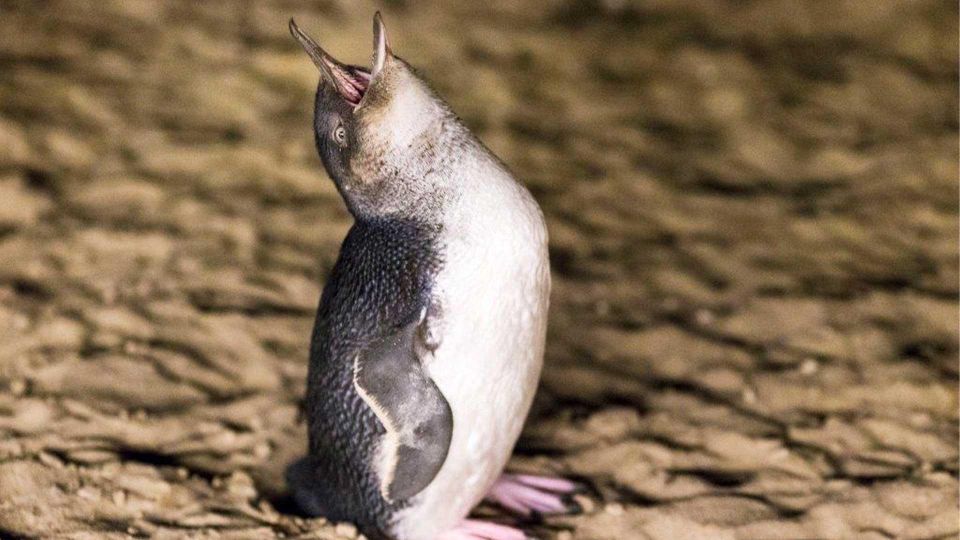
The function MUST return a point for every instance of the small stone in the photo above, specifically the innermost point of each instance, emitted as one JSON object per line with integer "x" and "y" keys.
{"x": 585, "y": 503}
{"x": 346, "y": 530}
{"x": 261, "y": 450}
{"x": 614, "y": 509}
{"x": 50, "y": 460}
{"x": 703, "y": 317}
{"x": 18, "y": 387}
{"x": 267, "y": 508}
{"x": 88, "y": 493}
{"x": 241, "y": 485}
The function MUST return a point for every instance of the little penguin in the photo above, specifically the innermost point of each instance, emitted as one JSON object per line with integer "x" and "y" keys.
{"x": 429, "y": 337}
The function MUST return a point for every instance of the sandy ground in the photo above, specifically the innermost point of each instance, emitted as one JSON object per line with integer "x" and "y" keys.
{"x": 753, "y": 216}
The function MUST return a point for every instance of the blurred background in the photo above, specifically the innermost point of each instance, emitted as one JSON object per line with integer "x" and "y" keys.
{"x": 753, "y": 208}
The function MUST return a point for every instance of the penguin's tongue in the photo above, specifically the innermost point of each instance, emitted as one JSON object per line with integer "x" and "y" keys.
{"x": 352, "y": 83}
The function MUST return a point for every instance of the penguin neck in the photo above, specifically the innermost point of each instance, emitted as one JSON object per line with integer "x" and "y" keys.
{"x": 419, "y": 182}
{"x": 425, "y": 208}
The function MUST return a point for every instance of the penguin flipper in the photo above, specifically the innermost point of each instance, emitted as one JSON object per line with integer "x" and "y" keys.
{"x": 415, "y": 414}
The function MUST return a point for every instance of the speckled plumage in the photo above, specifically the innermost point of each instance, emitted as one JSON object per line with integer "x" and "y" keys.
{"x": 380, "y": 282}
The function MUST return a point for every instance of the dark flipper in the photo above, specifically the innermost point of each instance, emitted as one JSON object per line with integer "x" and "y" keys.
{"x": 417, "y": 418}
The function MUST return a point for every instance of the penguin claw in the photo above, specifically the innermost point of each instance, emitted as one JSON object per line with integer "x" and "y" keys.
{"x": 530, "y": 496}
{"x": 473, "y": 529}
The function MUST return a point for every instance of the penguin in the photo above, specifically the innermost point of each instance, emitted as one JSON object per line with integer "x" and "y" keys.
{"x": 429, "y": 337}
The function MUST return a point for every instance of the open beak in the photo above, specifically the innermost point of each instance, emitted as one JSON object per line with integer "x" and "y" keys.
{"x": 350, "y": 82}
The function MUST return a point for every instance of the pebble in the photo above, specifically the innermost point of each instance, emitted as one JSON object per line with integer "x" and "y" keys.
{"x": 262, "y": 450}
{"x": 586, "y": 503}
{"x": 346, "y": 530}
{"x": 704, "y": 317}
{"x": 809, "y": 367}
{"x": 614, "y": 509}
{"x": 50, "y": 460}
{"x": 18, "y": 387}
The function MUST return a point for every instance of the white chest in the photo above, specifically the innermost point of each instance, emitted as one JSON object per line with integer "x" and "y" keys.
{"x": 494, "y": 294}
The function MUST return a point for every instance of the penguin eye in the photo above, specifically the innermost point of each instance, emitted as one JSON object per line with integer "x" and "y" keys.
{"x": 340, "y": 135}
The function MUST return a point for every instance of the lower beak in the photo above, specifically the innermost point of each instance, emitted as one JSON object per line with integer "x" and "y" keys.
{"x": 349, "y": 83}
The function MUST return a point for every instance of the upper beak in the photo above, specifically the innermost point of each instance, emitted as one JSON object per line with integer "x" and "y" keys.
{"x": 381, "y": 45}
{"x": 349, "y": 85}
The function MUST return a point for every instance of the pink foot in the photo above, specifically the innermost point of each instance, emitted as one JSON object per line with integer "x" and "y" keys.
{"x": 473, "y": 529}
{"x": 525, "y": 495}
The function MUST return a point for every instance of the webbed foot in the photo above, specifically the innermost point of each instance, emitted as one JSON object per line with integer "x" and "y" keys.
{"x": 473, "y": 529}
{"x": 526, "y": 495}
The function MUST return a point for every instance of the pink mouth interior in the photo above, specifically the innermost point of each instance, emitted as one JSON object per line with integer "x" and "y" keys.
{"x": 352, "y": 84}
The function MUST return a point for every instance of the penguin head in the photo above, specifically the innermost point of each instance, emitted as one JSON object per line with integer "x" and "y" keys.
{"x": 382, "y": 133}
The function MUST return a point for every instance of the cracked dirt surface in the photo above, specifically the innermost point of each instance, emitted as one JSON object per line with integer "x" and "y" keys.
{"x": 753, "y": 216}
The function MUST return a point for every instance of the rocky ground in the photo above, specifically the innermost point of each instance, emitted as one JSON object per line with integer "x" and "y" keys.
{"x": 753, "y": 212}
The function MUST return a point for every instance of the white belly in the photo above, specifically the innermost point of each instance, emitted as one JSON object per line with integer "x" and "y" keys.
{"x": 494, "y": 293}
